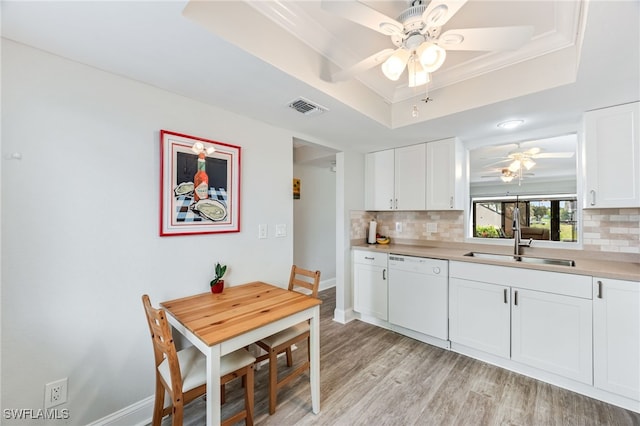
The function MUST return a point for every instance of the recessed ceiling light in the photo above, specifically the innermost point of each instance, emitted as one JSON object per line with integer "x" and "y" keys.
{"x": 511, "y": 124}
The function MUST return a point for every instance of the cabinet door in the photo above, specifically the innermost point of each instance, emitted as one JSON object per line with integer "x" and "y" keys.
{"x": 444, "y": 175}
{"x": 616, "y": 336}
{"x": 612, "y": 157}
{"x": 370, "y": 290}
{"x": 410, "y": 178}
{"x": 552, "y": 332}
{"x": 479, "y": 316}
{"x": 379, "y": 180}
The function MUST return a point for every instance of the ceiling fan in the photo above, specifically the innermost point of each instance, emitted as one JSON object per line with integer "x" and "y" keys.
{"x": 416, "y": 33}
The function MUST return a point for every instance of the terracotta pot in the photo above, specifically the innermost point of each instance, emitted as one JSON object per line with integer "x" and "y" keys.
{"x": 217, "y": 287}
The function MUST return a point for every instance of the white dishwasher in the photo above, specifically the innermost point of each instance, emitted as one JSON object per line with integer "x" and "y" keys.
{"x": 418, "y": 294}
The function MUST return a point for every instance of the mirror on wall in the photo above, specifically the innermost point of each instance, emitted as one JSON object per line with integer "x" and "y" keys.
{"x": 539, "y": 175}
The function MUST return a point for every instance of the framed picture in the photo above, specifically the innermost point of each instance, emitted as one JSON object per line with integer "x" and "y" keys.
{"x": 296, "y": 189}
{"x": 199, "y": 185}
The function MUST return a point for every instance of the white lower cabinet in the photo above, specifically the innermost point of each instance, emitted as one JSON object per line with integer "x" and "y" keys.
{"x": 537, "y": 318}
{"x": 616, "y": 335}
{"x": 479, "y": 316}
{"x": 552, "y": 332}
{"x": 370, "y": 283}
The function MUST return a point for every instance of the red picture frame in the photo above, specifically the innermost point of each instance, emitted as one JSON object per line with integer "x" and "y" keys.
{"x": 199, "y": 185}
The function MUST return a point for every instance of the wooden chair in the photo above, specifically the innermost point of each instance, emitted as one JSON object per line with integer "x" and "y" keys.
{"x": 283, "y": 340}
{"x": 182, "y": 374}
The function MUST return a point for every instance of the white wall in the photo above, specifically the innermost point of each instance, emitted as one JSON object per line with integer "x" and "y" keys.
{"x": 349, "y": 196}
{"x": 80, "y": 240}
{"x": 314, "y": 218}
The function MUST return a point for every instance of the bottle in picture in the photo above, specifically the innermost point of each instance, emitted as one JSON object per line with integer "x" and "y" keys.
{"x": 201, "y": 180}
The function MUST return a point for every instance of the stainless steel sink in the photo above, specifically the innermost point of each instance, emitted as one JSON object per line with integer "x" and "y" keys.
{"x": 522, "y": 259}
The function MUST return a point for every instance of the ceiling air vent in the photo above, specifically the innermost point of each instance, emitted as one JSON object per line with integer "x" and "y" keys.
{"x": 306, "y": 107}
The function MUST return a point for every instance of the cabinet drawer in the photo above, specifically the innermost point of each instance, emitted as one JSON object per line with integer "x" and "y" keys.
{"x": 549, "y": 282}
{"x": 370, "y": 258}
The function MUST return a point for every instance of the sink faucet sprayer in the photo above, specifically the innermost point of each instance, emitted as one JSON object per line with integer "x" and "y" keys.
{"x": 517, "y": 236}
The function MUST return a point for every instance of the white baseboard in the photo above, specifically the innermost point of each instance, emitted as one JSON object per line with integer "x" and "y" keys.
{"x": 327, "y": 284}
{"x": 344, "y": 316}
{"x": 137, "y": 414}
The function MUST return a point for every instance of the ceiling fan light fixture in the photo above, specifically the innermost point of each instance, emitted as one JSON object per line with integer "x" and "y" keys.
{"x": 394, "y": 66}
{"x": 431, "y": 56}
{"x": 417, "y": 75}
{"x": 506, "y": 178}
{"x": 528, "y": 163}
{"x": 515, "y": 166}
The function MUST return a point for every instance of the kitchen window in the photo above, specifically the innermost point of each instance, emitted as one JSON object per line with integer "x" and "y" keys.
{"x": 550, "y": 218}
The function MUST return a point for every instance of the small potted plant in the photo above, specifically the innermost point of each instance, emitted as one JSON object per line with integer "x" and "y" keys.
{"x": 217, "y": 283}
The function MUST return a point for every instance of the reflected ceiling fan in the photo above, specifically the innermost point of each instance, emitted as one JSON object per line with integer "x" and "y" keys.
{"x": 507, "y": 175}
{"x": 416, "y": 33}
{"x": 526, "y": 159}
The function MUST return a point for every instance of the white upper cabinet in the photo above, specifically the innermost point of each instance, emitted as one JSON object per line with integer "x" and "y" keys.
{"x": 427, "y": 176}
{"x": 395, "y": 179}
{"x": 379, "y": 180}
{"x": 612, "y": 157}
{"x": 445, "y": 183}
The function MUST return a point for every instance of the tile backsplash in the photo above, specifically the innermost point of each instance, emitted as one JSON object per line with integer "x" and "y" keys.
{"x": 416, "y": 225}
{"x": 605, "y": 230}
{"x": 611, "y": 230}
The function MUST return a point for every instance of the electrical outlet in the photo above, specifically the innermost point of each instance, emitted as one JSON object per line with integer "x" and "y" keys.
{"x": 55, "y": 393}
{"x": 398, "y": 226}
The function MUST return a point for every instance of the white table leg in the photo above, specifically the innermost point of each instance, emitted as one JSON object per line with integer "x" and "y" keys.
{"x": 315, "y": 360}
{"x": 213, "y": 385}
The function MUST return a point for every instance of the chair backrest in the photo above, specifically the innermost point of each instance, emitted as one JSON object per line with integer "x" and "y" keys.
{"x": 304, "y": 278}
{"x": 163, "y": 345}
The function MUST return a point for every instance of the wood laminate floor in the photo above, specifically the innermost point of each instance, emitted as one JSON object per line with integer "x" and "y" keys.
{"x": 373, "y": 376}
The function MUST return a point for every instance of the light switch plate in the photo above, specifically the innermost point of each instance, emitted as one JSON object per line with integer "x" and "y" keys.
{"x": 281, "y": 230}
{"x": 262, "y": 231}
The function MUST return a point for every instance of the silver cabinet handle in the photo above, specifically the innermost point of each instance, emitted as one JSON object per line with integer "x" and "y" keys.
{"x": 505, "y": 296}
{"x": 391, "y": 203}
{"x": 599, "y": 289}
{"x": 384, "y": 274}
{"x": 515, "y": 298}
{"x": 369, "y": 258}
{"x": 451, "y": 202}
{"x": 396, "y": 204}
{"x": 593, "y": 197}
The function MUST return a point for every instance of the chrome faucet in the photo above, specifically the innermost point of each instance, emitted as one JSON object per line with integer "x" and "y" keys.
{"x": 517, "y": 236}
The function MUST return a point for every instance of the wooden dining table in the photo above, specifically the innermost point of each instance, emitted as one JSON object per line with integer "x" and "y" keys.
{"x": 218, "y": 324}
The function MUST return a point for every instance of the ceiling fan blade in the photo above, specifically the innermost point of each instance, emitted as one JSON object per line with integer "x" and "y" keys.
{"x": 554, "y": 155}
{"x": 495, "y": 163}
{"x": 440, "y": 11}
{"x": 364, "y": 15}
{"x": 486, "y": 39}
{"x": 364, "y": 65}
